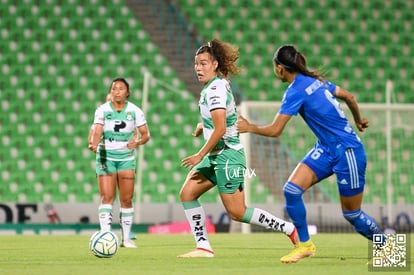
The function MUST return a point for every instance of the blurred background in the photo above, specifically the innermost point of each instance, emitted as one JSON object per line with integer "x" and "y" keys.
{"x": 57, "y": 60}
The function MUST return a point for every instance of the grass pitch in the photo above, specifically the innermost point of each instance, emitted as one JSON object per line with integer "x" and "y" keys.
{"x": 256, "y": 253}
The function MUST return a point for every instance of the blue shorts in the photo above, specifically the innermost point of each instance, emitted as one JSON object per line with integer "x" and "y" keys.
{"x": 348, "y": 164}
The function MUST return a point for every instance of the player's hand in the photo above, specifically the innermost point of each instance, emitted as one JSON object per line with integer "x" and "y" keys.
{"x": 191, "y": 161}
{"x": 362, "y": 125}
{"x": 92, "y": 148}
{"x": 242, "y": 124}
{"x": 133, "y": 144}
{"x": 198, "y": 130}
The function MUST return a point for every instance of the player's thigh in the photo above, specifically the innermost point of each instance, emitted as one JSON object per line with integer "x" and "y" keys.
{"x": 194, "y": 186}
{"x": 107, "y": 187}
{"x": 126, "y": 182}
{"x": 303, "y": 176}
{"x": 351, "y": 203}
{"x": 314, "y": 167}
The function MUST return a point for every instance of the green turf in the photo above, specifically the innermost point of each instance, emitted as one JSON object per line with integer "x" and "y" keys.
{"x": 257, "y": 253}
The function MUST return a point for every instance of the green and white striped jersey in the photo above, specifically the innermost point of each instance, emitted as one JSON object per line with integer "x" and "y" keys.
{"x": 217, "y": 94}
{"x": 118, "y": 129}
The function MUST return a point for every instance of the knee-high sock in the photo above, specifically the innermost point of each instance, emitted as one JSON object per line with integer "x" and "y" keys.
{"x": 197, "y": 219}
{"x": 263, "y": 218}
{"x": 105, "y": 216}
{"x": 363, "y": 223}
{"x": 296, "y": 209}
{"x": 126, "y": 219}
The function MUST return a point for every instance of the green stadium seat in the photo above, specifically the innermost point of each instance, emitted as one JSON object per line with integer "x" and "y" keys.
{"x": 65, "y": 54}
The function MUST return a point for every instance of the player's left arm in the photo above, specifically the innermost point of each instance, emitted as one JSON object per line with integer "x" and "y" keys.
{"x": 141, "y": 136}
{"x": 360, "y": 122}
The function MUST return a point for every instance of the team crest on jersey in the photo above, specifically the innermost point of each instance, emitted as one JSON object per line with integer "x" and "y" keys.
{"x": 129, "y": 116}
{"x": 202, "y": 100}
{"x": 108, "y": 116}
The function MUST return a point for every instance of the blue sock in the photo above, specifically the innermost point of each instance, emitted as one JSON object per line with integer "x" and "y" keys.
{"x": 363, "y": 224}
{"x": 296, "y": 209}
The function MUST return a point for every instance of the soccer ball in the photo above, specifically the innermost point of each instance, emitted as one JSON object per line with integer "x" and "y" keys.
{"x": 104, "y": 244}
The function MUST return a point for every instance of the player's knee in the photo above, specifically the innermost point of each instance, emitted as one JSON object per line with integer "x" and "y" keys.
{"x": 186, "y": 196}
{"x": 291, "y": 191}
{"x": 181, "y": 195}
{"x": 126, "y": 203}
{"x": 235, "y": 215}
{"x": 107, "y": 199}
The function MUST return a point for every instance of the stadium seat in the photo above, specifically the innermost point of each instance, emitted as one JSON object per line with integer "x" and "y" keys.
{"x": 88, "y": 49}
{"x": 67, "y": 55}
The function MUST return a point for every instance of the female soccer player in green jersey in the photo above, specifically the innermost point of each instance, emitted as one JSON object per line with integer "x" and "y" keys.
{"x": 221, "y": 160}
{"x": 114, "y": 142}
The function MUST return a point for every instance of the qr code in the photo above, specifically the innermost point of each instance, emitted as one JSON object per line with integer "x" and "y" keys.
{"x": 389, "y": 251}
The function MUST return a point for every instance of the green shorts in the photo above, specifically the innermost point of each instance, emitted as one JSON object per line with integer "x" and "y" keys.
{"x": 104, "y": 166}
{"x": 225, "y": 170}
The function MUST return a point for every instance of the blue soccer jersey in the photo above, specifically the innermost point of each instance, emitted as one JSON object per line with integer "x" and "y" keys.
{"x": 315, "y": 102}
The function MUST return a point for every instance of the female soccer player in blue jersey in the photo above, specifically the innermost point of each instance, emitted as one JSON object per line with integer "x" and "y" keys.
{"x": 119, "y": 128}
{"x": 338, "y": 149}
{"x": 220, "y": 161}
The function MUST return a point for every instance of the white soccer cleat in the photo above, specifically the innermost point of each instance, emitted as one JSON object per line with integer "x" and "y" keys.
{"x": 128, "y": 243}
{"x": 198, "y": 253}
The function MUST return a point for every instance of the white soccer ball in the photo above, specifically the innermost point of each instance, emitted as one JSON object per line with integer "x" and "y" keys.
{"x": 104, "y": 244}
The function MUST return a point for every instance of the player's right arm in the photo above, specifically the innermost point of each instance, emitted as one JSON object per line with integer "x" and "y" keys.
{"x": 219, "y": 121}
{"x": 96, "y": 138}
{"x": 90, "y": 133}
{"x": 274, "y": 129}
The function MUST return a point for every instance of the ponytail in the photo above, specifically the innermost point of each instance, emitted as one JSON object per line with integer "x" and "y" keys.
{"x": 294, "y": 61}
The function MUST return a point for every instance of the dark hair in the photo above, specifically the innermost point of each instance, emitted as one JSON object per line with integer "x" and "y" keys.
{"x": 294, "y": 61}
{"x": 122, "y": 80}
{"x": 226, "y": 55}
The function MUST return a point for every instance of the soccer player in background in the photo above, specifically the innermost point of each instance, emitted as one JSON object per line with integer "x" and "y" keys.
{"x": 114, "y": 143}
{"x": 91, "y": 130}
{"x": 222, "y": 154}
{"x": 338, "y": 150}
